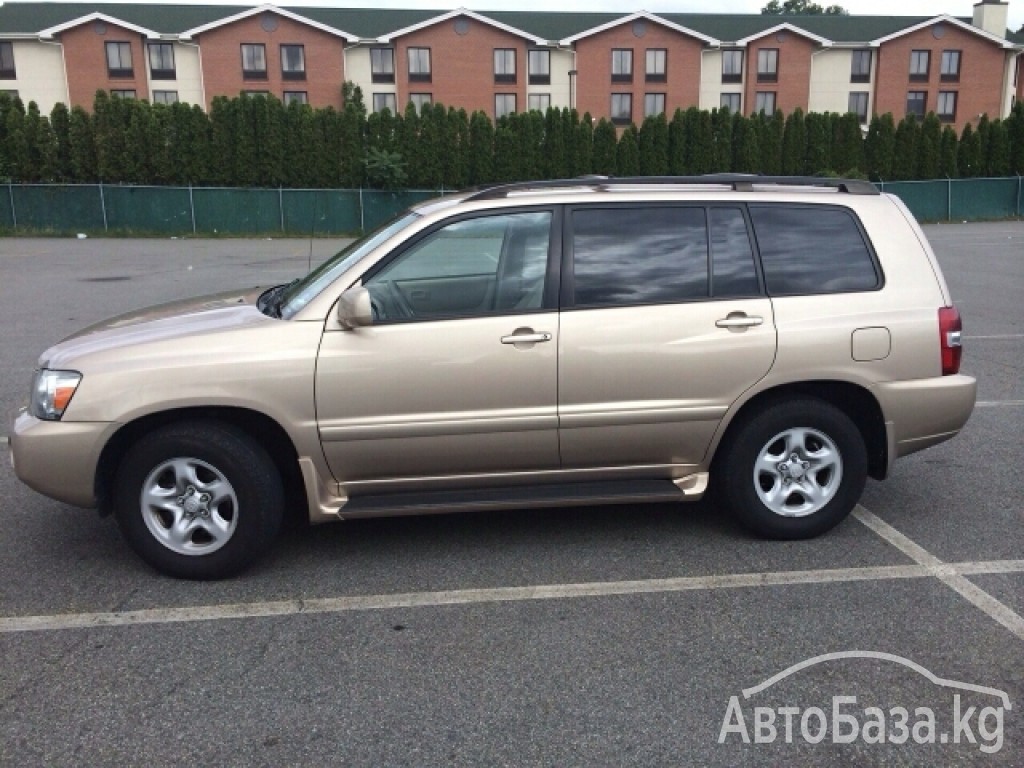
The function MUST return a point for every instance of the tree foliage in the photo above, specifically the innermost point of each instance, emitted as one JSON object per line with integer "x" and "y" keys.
{"x": 802, "y": 7}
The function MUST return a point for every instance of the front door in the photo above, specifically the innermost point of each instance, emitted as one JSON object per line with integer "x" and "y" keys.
{"x": 458, "y": 373}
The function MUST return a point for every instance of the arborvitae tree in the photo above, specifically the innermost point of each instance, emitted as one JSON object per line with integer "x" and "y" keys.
{"x": 249, "y": 169}
{"x": 481, "y": 149}
{"x": 677, "y": 144}
{"x": 947, "y": 153}
{"x": 585, "y": 144}
{"x": 60, "y": 122}
{"x": 328, "y": 170}
{"x": 188, "y": 143}
{"x": 553, "y": 145}
{"x": 794, "y": 144}
{"x": 42, "y": 147}
{"x": 848, "y": 157}
{"x": 982, "y": 131}
{"x": 929, "y": 143}
{"x": 110, "y": 121}
{"x": 432, "y": 130}
{"x": 1015, "y": 131}
{"x": 506, "y": 150}
{"x": 701, "y": 143}
{"x": 605, "y": 148}
{"x": 17, "y": 164}
{"x": 302, "y": 146}
{"x": 819, "y": 144}
{"x": 770, "y": 134}
{"x": 531, "y": 144}
{"x": 746, "y": 152}
{"x": 456, "y": 165}
{"x": 904, "y": 164}
{"x": 350, "y": 136}
{"x": 997, "y": 153}
{"x": 653, "y": 146}
{"x": 721, "y": 124}
{"x": 969, "y": 158}
{"x": 82, "y": 146}
{"x": 222, "y": 140}
{"x": 880, "y": 147}
{"x": 628, "y": 153}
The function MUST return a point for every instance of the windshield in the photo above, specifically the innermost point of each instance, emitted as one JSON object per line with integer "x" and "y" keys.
{"x": 300, "y": 293}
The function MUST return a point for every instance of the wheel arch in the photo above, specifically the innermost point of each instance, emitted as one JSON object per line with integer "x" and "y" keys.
{"x": 852, "y": 399}
{"x": 264, "y": 430}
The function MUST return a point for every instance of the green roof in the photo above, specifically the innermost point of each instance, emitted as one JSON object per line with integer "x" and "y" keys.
{"x": 29, "y": 18}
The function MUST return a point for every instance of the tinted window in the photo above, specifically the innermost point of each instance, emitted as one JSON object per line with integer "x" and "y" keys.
{"x": 811, "y": 250}
{"x": 731, "y": 255}
{"x": 639, "y": 255}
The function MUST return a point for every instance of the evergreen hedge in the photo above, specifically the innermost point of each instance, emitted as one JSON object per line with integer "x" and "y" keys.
{"x": 257, "y": 141}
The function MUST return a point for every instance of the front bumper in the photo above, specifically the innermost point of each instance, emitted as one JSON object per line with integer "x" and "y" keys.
{"x": 58, "y": 458}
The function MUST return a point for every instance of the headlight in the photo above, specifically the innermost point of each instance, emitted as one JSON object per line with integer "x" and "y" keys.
{"x": 51, "y": 393}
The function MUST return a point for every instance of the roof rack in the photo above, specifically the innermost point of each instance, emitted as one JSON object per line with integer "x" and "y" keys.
{"x": 739, "y": 182}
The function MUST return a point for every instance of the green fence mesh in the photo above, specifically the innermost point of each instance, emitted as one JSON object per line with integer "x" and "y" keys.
{"x": 235, "y": 211}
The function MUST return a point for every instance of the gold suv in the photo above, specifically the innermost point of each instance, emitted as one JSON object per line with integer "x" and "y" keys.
{"x": 542, "y": 344}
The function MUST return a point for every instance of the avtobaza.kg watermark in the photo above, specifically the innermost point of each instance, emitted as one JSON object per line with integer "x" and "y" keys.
{"x": 974, "y": 715}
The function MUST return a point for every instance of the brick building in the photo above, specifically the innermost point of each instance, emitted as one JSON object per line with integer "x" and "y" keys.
{"x": 620, "y": 66}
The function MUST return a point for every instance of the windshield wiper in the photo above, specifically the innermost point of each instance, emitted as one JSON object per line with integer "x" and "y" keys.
{"x": 271, "y": 301}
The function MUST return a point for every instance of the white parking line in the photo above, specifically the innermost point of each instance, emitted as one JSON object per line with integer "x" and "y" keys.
{"x": 995, "y": 336}
{"x": 952, "y": 577}
{"x": 997, "y": 403}
{"x": 329, "y": 605}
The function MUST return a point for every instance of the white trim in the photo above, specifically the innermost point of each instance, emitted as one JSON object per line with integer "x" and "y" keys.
{"x": 388, "y": 38}
{"x": 640, "y": 15}
{"x": 52, "y": 31}
{"x": 188, "y": 34}
{"x": 1003, "y": 42}
{"x": 785, "y": 27}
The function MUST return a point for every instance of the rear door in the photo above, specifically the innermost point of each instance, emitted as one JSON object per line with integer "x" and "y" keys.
{"x": 664, "y": 325}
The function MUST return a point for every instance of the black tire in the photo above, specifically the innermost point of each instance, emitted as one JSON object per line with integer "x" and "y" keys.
{"x": 235, "y": 491}
{"x": 773, "y": 502}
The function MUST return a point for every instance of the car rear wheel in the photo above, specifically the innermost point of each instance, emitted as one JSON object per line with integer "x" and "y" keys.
{"x": 794, "y": 470}
{"x": 198, "y": 500}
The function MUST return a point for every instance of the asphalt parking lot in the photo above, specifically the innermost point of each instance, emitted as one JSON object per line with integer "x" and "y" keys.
{"x": 591, "y": 637}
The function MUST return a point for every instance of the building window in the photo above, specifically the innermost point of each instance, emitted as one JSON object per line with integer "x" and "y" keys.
{"x": 299, "y": 97}
{"x": 123, "y": 93}
{"x": 917, "y": 101}
{"x": 764, "y": 101}
{"x": 732, "y": 66}
{"x": 504, "y": 65}
{"x": 946, "y": 107}
{"x": 119, "y": 60}
{"x": 949, "y": 71}
{"x": 504, "y": 104}
{"x": 161, "y": 61}
{"x": 654, "y": 104}
{"x": 7, "y": 61}
{"x": 421, "y": 100}
{"x": 382, "y": 101}
{"x": 419, "y": 65}
{"x": 254, "y": 93}
{"x": 730, "y": 101}
{"x": 293, "y": 62}
{"x": 860, "y": 67}
{"x": 540, "y": 67}
{"x": 622, "y": 65}
{"x": 919, "y": 61}
{"x": 859, "y": 105}
{"x": 539, "y": 102}
{"x": 165, "y": 97}
{"x": 656, "y": 58}
{"x": 768, "y": 65}
{"x": 382, "y": 65}
{"x": 254, "y": 61}
{"x": 622, "y": 108}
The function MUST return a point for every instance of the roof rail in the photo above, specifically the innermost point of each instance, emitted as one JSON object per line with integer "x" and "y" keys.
{"x": 738, "y": 181}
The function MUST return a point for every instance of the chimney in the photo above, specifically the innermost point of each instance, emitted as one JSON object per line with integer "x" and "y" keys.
{"x": 991, "y": 16}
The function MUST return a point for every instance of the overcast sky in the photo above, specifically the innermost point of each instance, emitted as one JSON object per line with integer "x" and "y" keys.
{"x": 861, "y": 7}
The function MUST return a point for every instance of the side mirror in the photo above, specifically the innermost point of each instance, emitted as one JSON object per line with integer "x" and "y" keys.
{"x": 354, "y": 309}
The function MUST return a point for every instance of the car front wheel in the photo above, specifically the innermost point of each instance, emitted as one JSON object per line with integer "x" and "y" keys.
{"x": 794, "y": 470}
{"x": 198, "y": 500}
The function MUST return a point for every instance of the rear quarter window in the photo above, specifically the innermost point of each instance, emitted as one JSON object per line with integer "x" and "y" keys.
{"x": 812, "y": 249}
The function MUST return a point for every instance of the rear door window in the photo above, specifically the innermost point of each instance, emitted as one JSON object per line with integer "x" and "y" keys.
{"x": 812, "y": 249}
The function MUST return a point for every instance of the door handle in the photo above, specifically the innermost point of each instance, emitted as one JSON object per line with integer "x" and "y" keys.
{"x": 739, "y": 320}
{"x": 526, "y": 336}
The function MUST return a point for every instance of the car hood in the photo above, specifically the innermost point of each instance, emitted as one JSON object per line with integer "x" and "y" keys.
{"x": 163, "y": 322}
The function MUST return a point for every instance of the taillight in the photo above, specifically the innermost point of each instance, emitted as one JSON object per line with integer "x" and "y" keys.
{"x": 949, "y": 340}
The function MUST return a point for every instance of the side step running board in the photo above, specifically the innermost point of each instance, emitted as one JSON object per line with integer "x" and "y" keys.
{"x": 513, "y": 497}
